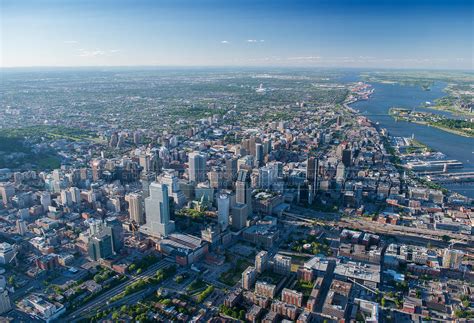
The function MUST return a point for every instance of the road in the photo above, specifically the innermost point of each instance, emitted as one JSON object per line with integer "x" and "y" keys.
{"x": 101, "y": 300}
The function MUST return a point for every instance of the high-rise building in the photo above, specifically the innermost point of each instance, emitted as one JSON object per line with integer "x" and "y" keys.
{"x": 261, "y": 261}
{"x": 197, "y": 167}
{"x": 231, "y": 170}
{"x": 7, "y": 191}
{"x": 75, "y": 195}
{"x": 248, "y": 278}
{"x": 282, "y": 264}
{"x": 7, "y": 253}
{"x": 452, "y": 258}
{"x": 145, "y": 180}
{"x": 243, "y": 199}
{"x": 215, "y": 178}
{"x": 135, "y": 208}
{"x": 114, "y": 227}
{"x": 223, "y": 207}
{"x": 113, "y": 140}
{"x": 341, "y": 171}
{"x": 45, "y": 200}
{"x": 100, "y": 246}
{"x": 5, "y": 304}
{"x": 347, "y": 157}
{"x": 21, "y": 227}
{"x": 242, "y": 188}
{"x": 170, "y": 179}
{"x": 66, "y": 198}
{"x": 145, "y": 162}
{"x": 259, "y": 154}
{"x": 157, "y": 210}
{"x": 239, "y": 215}
{"x": 266, "y": 177}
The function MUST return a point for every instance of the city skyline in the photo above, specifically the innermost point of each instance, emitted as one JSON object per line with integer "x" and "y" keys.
{"x": 405, "y": 34}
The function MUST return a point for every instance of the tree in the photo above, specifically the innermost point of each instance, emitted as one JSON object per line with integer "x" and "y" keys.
{"x": 115, "y": 316}
{"x": 446, "y": 238}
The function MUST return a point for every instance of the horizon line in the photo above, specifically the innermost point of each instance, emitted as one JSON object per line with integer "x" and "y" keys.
{"x": 234, "y": 66}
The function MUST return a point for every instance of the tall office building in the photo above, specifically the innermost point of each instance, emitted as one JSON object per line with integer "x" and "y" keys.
{"x": 100, "y": 246}
{"x": 341, "y": 171}
{"x": 157, "y": 210}
{"x": 135, "y": 208}
{"x": 197, "y": 167}
{"x": 45, "y": 200}
{"x": 114, "y": 227}
{"x": 259, "y": 154}
{"x": 75, "y": 195}
{"x": 145, "y": 162}
{"x": 242, "y": 188}
{"x": 145, "y": 180}
{"x": 347, "y": 157}
{"x": 170, "y": 179}
{"x": 215, "y": 178}
{"x": 5, "y": 304}
{"x": 230, "y": 170}
{"x": 312, "y": 176}
{"x": 223, "y": 207}
{"x": 7, "y": 191}
{"x": 266, "y": 176}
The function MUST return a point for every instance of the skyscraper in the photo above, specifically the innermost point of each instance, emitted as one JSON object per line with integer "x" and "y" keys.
{"x": 197, "y": 167}
{"x": 5, "y": 304}
{"x": 135, "y": 208}
{"x": 242, "y": 187}
{"x": 223, "y": 204}
{"x": 100, "y": 246}
{"x": 114, "y": 227}
{"x": 243, "y": 200}
{"x": 157, "y": 210}
{"x": 312, "y": 176}
{"x": 7, "y": 190}
{"x": 231, "y": 169}
{"x": 258, "y": 154}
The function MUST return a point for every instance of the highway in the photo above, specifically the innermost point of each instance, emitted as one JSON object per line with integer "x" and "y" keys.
{"x": 102, "y": 299}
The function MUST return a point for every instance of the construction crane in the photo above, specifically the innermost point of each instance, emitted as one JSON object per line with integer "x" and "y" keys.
{"x": 136, "y": 233}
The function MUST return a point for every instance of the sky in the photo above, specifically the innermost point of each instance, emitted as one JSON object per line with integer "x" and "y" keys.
{"x": 321, "y": 33}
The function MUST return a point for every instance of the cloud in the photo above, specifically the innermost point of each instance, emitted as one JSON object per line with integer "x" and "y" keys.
{"x": 224, "y": 42}
{"x": 96, "y": 52}
{"x": 255, "y": 41}
{"x": 304, "y": 58}
{"x": 70, "y": 42}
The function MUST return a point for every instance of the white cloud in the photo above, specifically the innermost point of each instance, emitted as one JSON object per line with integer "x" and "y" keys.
{"x": 304, "y": 58}
{"x": 224, "y": 42}
{"x": 251, "y": 40}
{"x": 96, "y": 52}
{"x": 70, "y": 42}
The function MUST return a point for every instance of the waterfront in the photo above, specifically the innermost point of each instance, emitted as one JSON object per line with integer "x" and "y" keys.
{"x": 387, "y": 96}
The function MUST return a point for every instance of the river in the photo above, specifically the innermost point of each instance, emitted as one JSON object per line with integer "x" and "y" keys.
{"x": 386, "y": 96}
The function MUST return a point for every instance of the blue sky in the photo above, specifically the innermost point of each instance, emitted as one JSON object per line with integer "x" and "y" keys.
{"x": 337, "y": 33}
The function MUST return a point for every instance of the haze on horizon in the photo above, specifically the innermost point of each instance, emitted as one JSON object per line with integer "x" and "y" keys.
{"x": 434, "y": 34}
